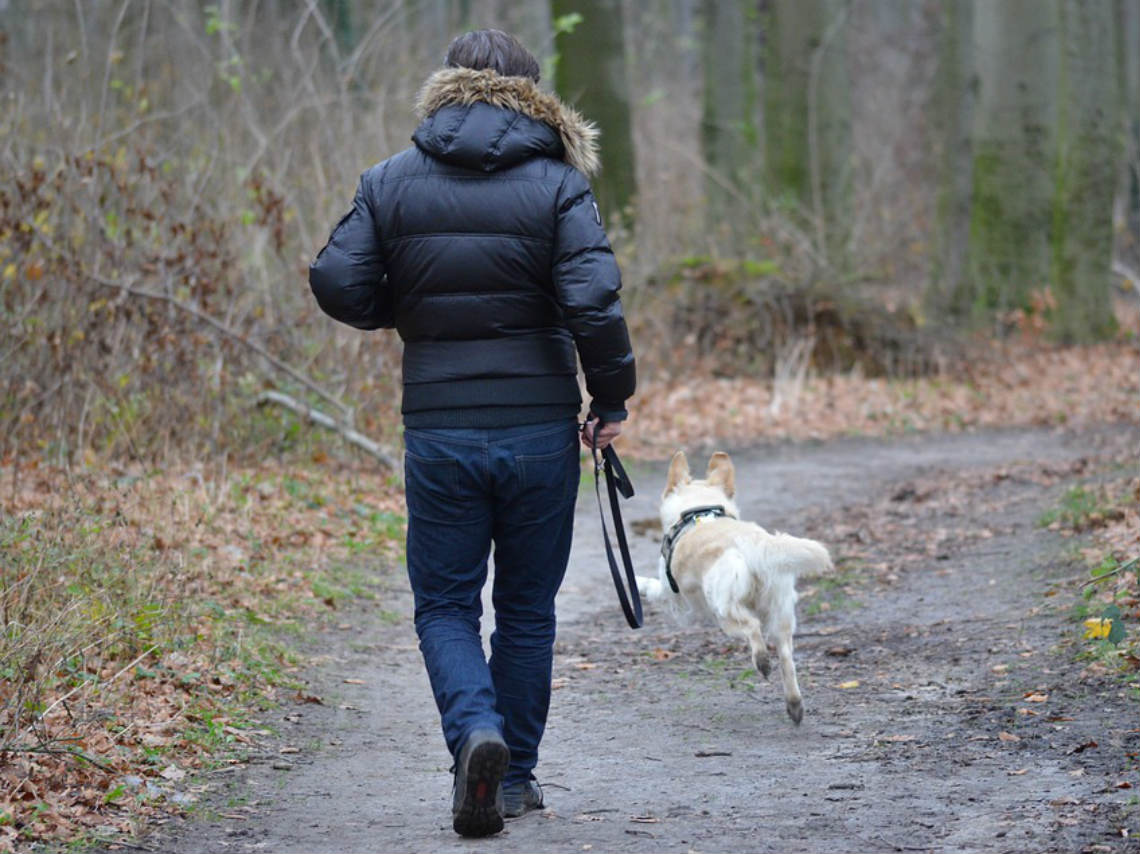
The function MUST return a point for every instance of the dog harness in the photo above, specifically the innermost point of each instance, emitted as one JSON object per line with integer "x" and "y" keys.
{"x": 688, "y": 519}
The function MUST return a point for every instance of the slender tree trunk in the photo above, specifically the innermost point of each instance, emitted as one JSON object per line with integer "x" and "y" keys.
{"x": 591, "y": 73}
{"x": 340, "y": 17}
{"x": 807, "y": 112}
{"x": 1013, "y": 146}
{"x": 1128, "y": 193}
{"x": 729, "y": 140}
{"x": 952, "y": 114}
{"x": 1085, "y": 173}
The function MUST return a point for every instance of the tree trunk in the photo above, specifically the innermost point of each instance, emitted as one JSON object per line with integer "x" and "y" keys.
{"x": 952, "y": 115}
{"x": 340, "y": 18}
{"x": 1085, "y": 172}
{"x": 1013, "y": 145}
{"x": 591, "y": 74}
{"x": 807, "y": 112}
{"x": 1128, "y": 193}
{"x": 728, "y": 123}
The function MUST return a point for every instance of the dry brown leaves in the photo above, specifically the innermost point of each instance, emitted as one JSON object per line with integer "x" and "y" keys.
{"x": 248, "y": 541}
{"x": 1011, "y": 386}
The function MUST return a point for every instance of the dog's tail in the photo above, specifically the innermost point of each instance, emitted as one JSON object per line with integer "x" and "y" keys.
{"x": 798, "y": 556}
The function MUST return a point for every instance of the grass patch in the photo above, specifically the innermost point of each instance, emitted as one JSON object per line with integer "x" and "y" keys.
{"x": 149, "y": 618}
{"x": 1081, "y": 508}
{"x": 832, "y": 592}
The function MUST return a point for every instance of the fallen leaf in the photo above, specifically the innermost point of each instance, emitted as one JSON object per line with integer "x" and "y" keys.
{"x": 644, "y": 819}
{"x": 1098, "y": 627}
{"x": 355, "y": 682}
{"x": 660, "y": 654}
{"x": 173, "y": 773}
{"x": 1036, "y": 697}
{"x": 854, "y": 683}
{"x": 1008, "y": 736}
{"x": 1020, "y": 772}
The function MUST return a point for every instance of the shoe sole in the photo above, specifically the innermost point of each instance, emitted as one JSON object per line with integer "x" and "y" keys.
{"x": 478, "y": 813}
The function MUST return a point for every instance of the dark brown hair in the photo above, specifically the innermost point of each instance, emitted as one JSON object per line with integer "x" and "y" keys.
{"x": 492, "y": 49}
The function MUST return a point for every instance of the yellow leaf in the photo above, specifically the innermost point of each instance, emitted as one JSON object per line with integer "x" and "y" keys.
{"x": 1097, "y": 627}
{"x": 854, "y": 683}
{"x": 9, "y": 271}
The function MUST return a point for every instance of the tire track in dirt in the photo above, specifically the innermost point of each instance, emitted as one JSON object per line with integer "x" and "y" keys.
{"x": 967, "y": 730}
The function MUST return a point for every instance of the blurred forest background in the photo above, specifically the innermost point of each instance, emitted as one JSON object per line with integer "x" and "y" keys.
{"x": 793, "y": 186}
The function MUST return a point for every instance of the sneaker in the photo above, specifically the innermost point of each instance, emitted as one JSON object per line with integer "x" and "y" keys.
{"x": 521, "y": 798}
{"x": 477, "y": 800}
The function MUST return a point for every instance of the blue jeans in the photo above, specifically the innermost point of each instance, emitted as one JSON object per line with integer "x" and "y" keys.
{"x": 467, "y": 488}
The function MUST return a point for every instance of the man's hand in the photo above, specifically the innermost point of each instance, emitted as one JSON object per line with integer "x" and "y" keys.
{"x": 606, "y": 433}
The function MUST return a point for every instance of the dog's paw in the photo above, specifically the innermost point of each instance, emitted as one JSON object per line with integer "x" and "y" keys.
{"x": 763, "y": 663}
{"x": 796, "y": 710}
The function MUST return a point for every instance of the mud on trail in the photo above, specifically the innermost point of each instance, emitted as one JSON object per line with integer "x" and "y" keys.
{"x": 945, "y": 710}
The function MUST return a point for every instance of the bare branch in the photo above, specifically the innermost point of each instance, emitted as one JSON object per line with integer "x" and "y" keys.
{"x": 317, "y": 417}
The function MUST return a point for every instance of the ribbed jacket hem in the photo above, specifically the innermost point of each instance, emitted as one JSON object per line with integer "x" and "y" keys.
{"x": 489, "y": 416}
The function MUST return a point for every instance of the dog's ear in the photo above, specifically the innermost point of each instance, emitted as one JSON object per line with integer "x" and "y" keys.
{"x": 721, "y": 473}
{"x": 678, "y": 472}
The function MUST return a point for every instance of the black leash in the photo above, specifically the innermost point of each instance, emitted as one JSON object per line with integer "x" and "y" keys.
{"x": 617, "y": 480}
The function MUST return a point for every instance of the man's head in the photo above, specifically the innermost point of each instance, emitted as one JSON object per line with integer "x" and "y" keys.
{"x": 494, "y": 49}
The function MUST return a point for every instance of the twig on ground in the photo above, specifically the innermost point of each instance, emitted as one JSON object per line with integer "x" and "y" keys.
{"x": 59, "y": 751}
{"x": 1113, "y": 572}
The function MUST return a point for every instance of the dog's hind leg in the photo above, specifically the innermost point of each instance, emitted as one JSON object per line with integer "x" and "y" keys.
{"x": 727, "y": 590}
{"x": 783, "y": 630}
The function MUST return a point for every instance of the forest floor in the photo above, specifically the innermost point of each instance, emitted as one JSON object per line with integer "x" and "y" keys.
{"x": 217, "y": 657}
{"x": 952, "y": 704}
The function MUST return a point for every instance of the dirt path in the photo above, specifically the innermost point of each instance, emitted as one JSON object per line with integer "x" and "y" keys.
{"x": 967, "y": 729}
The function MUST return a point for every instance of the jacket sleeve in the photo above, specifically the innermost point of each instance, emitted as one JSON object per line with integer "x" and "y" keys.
{"x": 347, "y": 276}
{"x": 586, "y": 283}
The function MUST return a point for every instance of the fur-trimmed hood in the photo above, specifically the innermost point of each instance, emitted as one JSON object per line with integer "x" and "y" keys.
{"x": 462, "y": 87}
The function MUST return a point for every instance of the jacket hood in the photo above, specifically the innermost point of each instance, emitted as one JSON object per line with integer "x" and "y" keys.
{"x": 483, "y": 120}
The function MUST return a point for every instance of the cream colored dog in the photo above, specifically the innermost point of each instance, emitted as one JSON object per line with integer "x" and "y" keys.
{"x": 734, "y": 571}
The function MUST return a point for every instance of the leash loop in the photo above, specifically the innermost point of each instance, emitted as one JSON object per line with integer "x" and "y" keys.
{"x": 607, "y": 463}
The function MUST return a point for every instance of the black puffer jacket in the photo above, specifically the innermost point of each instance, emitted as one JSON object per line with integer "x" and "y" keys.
{"x": 483, "y": 246}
